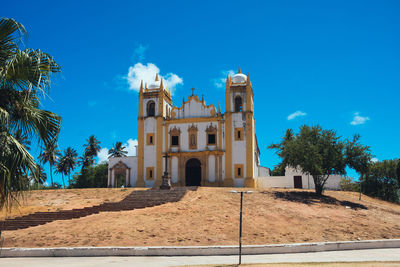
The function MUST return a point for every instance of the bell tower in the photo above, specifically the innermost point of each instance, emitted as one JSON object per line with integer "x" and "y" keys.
{"x": 239, "y": 131}
{"x": 155, "y": 105}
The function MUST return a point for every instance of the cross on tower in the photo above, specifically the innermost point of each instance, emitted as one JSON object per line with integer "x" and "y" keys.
{"x": 192, "y": 91}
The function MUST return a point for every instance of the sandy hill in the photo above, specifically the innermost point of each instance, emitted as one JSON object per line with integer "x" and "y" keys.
{"x": 208, "y": 216}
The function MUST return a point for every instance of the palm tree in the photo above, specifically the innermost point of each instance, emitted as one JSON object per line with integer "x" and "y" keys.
{"x": 86, "y": 161}
{"x": 70, "y": 161}
{"x": 61, "y": 168}
{"x": 39, "y": 177}
{"x": 117, "y": 151}
{"x": 50, "y": 153}
{"x": 92, "y": 147}
{"x": 24, "y": 75}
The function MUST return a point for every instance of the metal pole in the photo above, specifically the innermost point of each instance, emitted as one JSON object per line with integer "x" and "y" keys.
{"x": 240, "y": 230}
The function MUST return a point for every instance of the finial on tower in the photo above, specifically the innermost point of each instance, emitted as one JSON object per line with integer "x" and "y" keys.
{"x": 219, "y": 109}
{"x": 145, "y": 86}
{"x": 161, "y": 84}
{"x": 248, "y": 80}
{"x": 156, "y": 77}
{"x": 192, "y": 91}
{"x": 239, "y": 71}
{"x": 141, "y": 86}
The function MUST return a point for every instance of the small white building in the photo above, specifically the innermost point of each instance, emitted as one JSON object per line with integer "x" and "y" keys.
{"x": 294, "y": 178}
{"x": 203, "y": 146}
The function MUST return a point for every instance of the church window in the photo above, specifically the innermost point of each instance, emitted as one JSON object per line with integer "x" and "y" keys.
{"x": 238, "y": 134}
{"x": 211, "y": 134}
{"x": 150, "y": 173}
{"x": 238, "y": 104}
{"x": 151, "y": 108}
{"x": 150, "y": 139}
{"x": 238, "y": 170}
{"x": 211, "y": 139}
{"x": 175, "y": 140}
{"x": 174, "y": 133}
{"x": 192, "y": 134}
{"x": 193, "y": 140}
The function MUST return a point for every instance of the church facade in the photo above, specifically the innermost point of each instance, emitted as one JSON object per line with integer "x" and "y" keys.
{"x": 202, "y": 146}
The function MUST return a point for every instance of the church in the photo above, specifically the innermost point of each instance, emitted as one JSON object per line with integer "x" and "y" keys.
{"x": 196, "y": 143}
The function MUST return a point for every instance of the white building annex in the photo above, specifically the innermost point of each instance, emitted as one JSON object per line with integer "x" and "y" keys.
{"x": 204, "y": 146}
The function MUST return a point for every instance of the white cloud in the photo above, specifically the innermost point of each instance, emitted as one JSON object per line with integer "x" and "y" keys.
{"x": 130, "y": 147}
{"x": 220, "y": 82}
{"x": 357, "y": 119}
{"x": 296, "y": 114}
{"x": 374, "y": 159}
{"x": 147, "y": 73}
{"x": 102, "y": 155}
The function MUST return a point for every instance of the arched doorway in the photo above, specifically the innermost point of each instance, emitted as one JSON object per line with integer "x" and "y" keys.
{"x": 193, "y": 172}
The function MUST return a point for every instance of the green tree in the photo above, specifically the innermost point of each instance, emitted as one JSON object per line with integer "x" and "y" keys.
{"x": 358, "y": 157}
{"x": 117, "y": 151}
{"x": 317, "y": 152}
{"x": 398, "y": 171}
{"x": 92, "y": 147}
{"x": 382, "y": 180}
{"x": 70, "y": 161}
{"x": 39, "y": 177}
{"x": 50, "y": 154}
{"x": 93, "y": 176}
{"x": 279, "y": 170}
{"x": 62, "y": 169}
{"x": 24, "y": 75}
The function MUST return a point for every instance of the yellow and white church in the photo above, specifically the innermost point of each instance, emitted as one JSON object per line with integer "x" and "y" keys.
{"x": 203, "y": 147}
{"x": 198, "y": 145}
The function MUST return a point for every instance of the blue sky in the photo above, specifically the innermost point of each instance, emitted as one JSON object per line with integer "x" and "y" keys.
{"x": 332, "y": 62}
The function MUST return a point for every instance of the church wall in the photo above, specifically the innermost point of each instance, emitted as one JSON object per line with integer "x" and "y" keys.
{"x": 211, "y": 168}
{"x": 201, "y": 136}
{"x": 174, "y": 171}
{"x": 255, "y": 160}
{"x": 194, "y": 109}
{"x": 150, "y": 150}
{"x": 238, "y": 146}
{"x": 223, "y": 173}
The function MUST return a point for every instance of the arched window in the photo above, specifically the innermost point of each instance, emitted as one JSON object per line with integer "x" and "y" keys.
{"x": 238, "y": 104}
{"x": 151, "y": 108}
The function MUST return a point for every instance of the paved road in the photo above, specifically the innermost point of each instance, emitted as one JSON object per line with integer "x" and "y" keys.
{"x": 331, "y": 256}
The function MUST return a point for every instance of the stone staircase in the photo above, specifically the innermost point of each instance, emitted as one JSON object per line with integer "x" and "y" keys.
{"x": 135, "y": 200}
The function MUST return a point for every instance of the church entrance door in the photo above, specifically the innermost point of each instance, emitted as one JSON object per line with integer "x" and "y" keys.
{"x": 193, "y": 172}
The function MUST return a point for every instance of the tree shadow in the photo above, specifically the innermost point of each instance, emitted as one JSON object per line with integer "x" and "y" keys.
{"x": 311, "y": 198}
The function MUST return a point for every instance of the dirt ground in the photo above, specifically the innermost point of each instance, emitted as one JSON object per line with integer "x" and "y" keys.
{"x": 58, "y": 199}
{"x": 210, "y": 216}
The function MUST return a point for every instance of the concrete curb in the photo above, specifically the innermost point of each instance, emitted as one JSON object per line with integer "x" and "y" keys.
{"x": 198, "y": 250}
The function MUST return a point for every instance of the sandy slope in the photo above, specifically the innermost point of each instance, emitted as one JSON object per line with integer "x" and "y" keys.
{"x": 209, "y": 216}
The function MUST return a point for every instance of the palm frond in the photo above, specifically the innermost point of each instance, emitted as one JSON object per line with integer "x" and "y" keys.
{"x": 11, "y": 32}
